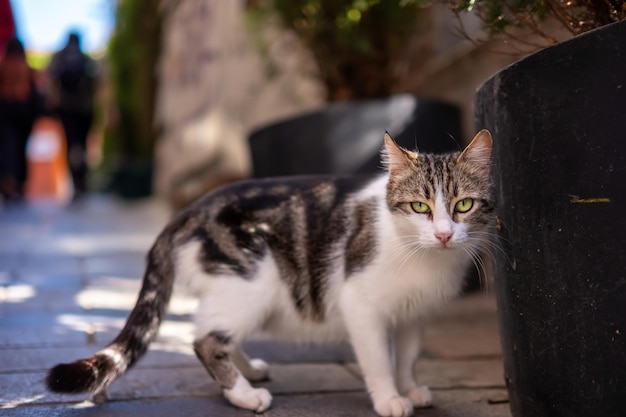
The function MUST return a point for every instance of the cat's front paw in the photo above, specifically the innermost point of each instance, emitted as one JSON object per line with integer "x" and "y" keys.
{"x": 255, "y": 399}
{"x": 421, "y": 397}
{"x": 394, "y": 407}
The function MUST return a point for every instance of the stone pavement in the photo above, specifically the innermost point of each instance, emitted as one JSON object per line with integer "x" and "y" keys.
{"x": 69, "y": 277}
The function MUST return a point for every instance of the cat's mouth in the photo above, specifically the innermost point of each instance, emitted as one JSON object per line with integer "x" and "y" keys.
{"x": 449, "y": 245}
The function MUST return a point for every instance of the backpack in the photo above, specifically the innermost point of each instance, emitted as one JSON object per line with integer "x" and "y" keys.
{"x": 73, "y": 75}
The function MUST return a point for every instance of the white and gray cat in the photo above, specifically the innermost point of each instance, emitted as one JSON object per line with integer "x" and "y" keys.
{"x": 364, "y": 259}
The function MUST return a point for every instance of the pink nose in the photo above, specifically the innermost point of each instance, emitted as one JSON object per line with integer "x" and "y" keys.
{"x": 443, "y": 237}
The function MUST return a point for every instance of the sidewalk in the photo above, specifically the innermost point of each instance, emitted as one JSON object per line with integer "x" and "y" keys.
{"x": 69, "y": 277}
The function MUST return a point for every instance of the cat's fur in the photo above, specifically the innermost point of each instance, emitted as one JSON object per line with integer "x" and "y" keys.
{"x": 313, "y": 259}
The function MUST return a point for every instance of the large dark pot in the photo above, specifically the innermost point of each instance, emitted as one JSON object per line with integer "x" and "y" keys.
{"x": 133, "y": 179}
{"x": 346, "y": 138}
{"x": 558, "y": 119}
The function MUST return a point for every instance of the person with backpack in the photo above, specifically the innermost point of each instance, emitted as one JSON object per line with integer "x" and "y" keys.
{"x": 73, "y": 78}
{"x": 21, "y": 103}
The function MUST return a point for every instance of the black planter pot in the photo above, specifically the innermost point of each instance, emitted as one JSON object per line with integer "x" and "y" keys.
{"x": 558, "y": 119}
{"x": 346, "y": 138}
{"x": 133, "y": 179}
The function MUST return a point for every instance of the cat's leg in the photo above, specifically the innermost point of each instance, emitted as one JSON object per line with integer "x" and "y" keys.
{"x": 254, "y": 370}
{"x": 215, "y": 351}
{"x": 369, "y": 340}
{"x": 407, "y": 340}
{"x": 229, "y": 312}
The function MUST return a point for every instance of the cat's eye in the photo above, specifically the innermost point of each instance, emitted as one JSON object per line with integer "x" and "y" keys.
{"x": 420, "y": 207}
{"x": 463, "y": 206}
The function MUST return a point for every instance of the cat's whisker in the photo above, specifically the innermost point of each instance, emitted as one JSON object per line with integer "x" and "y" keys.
{"x": 492, "y": 246}
{"x": 480, "y": 267}
{"x": 406, "y": 253}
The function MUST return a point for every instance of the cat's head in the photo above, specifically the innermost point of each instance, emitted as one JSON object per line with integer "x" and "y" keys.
{"x": 443, "y": 201}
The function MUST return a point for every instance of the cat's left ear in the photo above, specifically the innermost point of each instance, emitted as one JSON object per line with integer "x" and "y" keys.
{"x": 478, "y": 152}
{"x": 395, "y": 157}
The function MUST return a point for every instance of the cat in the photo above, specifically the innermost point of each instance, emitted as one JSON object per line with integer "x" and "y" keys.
{"x": 319, "y": 258}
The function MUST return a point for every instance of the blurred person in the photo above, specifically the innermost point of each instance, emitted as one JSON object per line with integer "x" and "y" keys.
{"x": 20, "y": 104}
{"x": 7, "y": 23}
{"x": 73, "y": 78}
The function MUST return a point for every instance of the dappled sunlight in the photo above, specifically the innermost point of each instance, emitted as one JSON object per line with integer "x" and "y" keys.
{"x": 90, "y": 324}
{"x": 121, "y": 294}
{"x": 82, "y": 404}
{"x": 16, "y": 293}
{"x": 173, "y": 331}
{"x": 170, "y": 347}
{"x": 89, "y": 244}
{"x": 169, "y": 332}
{"x": 98, "y": 298}
{"x": 22, "y": 401}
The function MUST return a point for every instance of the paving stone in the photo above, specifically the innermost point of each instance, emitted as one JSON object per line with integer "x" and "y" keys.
{"x": 272, "y": 351}
{"x": 475, "y": 337}
{"x": 474, "y": 303}
{"x": 352, "y": 404}
{"x": 460, "y": 374}
{"x": 310, "y": 378}
{"x": 40, "y": 330}
{"x": 442, "y": 374}
{"x": 467, "y": 403}
{"x": 87, "y": 244}
{"x": 123, "y": 265}
{"x": 32, "y": 359}
{"x": 41, "y": 265}
{"x": 8, "y": 265}
{"x": 51, "y": 280}
{"x": 21, "y": 299}
{"x": 19, "y": 388}
{"x": 37, "y": 331}
{"x": 457, "y": 403}
{"x": 466, "y": 328}
{"x": 180, "y": 381}
{"x": 185, "y": 407}
{"x": 453, "y": 403}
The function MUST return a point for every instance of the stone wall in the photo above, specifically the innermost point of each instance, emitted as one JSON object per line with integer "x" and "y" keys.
{"x": 218, "y": 80}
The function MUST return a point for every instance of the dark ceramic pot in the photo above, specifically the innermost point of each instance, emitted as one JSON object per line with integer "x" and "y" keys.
{"x": 346, "y": 138}
{"x": 133, "y": 179}
{"x": 558, "y": 119}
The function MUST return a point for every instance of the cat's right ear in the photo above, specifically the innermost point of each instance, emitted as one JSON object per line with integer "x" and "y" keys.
{"x": 396, "y": 158}
{"x": 478, "y": 152}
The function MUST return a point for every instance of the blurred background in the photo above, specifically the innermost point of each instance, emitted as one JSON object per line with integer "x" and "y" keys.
{"x": 181, "y": 96}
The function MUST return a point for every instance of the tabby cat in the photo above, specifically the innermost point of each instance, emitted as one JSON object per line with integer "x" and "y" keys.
{"x": 364, "y": 259}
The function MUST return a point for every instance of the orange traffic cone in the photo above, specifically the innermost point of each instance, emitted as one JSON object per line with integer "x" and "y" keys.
{"x": 48, "y": 173}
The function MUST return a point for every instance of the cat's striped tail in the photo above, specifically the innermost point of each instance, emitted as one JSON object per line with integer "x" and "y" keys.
{"x": 95, "y": 374}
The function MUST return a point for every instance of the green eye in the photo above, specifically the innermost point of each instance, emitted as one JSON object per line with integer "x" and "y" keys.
{"x": 420, "y": 207}
{"x": 463, "y": 206}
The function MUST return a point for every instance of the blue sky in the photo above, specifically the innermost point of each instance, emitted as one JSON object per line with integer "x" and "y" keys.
{"x": 43, "y": 24}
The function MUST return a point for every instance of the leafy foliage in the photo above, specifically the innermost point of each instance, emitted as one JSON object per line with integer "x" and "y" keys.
{"x": 356, "y": 43}
{"x": 133, "y": 53}
{"x": 577, "y": 16}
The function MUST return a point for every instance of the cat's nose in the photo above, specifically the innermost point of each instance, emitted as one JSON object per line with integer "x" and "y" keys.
{"x": 443, "y": 237}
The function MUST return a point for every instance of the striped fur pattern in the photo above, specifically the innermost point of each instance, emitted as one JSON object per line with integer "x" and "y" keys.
{"x": 367, "y": 259}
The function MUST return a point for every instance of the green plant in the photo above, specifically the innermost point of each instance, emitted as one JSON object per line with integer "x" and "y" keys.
{"x": 133, "y": 53}
{"x": 357, "y": 43}
{"x": 577, "y": 16}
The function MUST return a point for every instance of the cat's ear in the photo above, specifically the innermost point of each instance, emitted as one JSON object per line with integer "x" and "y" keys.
{"x": 396, "y": 158}
{"x": 478, "y": 152}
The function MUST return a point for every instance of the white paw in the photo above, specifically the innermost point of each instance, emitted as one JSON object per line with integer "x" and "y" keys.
{"x": 259, "y": 370}
{"x": 394, "y": 407}
{"x": 420, "y": 397}
{"x": 255, "y": 399}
